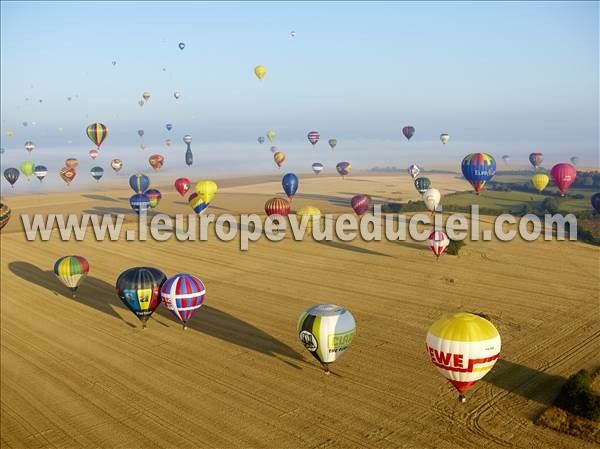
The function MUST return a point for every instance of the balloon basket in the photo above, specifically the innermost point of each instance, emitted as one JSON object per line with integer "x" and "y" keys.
{"x": 462, "y": 399}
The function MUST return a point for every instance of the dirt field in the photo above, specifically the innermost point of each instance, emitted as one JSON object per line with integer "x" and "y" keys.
{"x": 80, "y": 373}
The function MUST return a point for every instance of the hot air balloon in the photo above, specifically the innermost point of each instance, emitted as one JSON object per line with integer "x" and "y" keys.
{"x": 540, "y": 181}
{"x": 408, "y": 131}
{"x": 326, "y": 331}
{"x": 40, "y": 172}
{"x": 114, "y": 63}
{"x": 206, "y": 190}
{"x": 183, "y": 294}
{"x": 116, "y": 165}
{"x": 154, "y": 197}
{"x": 312, "y": 213}
{"x": 290, "y": 184}
{"x": 139, "y": 182}
{"x": 156, "y": 161}
{"x": 292, "y": 33}
{"x": 274, "y": 149}
{"x": 478, "y": 168}
{"x": 197, "y": 204}
{"x": 139, "y": 203}
{"x": 277, "y": 206}
{"x": 444, "y": 138}
{"x": 71, "y": 270}
{"x": 260, "y": 71}
{"x": 360, "y": 204}
{"x": 595, "y": 200}
{"x": 431, "y": 198}
{"x": 25, "y": 123}
{"x": 27, "y": 168}
{"x": 71, "y": 162}
{"x": 168, "y": 142}
{"x": 11, "y": 175}
{"x": 182, "y": 185}
{"x": 97, "y": 133}
{"x": 140, "y": 132}
{"x": 189, "y": 157}
{"x": 422, "y": 184}
{"x": 343, "y": 168}
{"x": 464, "y": 348}
{"x": 146, "y": 96}
{"x": 279, "y": 157}
{"x": 414, "y": 171}
{"x": 506, "y": 158}
{"x": 438, "y": 241}
{"x": 93, "y": 154}
{"x": 317, "y": 168}
{"x": 142, "y": 146}
{"x": 141, "y": 103}
{"x": 313, "y": 137}
{"x": 9, "y": 133}
{"x": 29, "y": 146}
{"x": 261, "y": 140}
{"x": 332, "y": 143}
{"x": 4, "y": 215}
{"x": 574, "y": 160}
{"x": 67, "y": 175}
{"x": 181, "y": 45}
{"x": 536, "y": 159}
{"x": 177, "y": 95}
{"x": 169, "y": 126}
{"x": 97, "y": 173}
{"x": 563, "y": 176}
{"x": 187, "y": 139}
{"x": 271, "y": 135}
{"x": 139, "y": 289}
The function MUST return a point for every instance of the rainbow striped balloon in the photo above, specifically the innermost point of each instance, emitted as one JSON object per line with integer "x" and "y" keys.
{"x": 478, "y": 168}
{"x": 197, "y": 203}
{"x": 71, "y": 270}
{"x": 97, "y": 133}
{"x": 463, "y": 347}
{"x": 183, "y": 295}
{"x": 4, "y": 215}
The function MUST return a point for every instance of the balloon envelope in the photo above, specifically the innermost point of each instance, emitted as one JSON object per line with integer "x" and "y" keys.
{"x": 206, "y": 190}
{"x": 4, "y": 215}
{"x": 154, "y": 197}
{"x": 414, "y": 171}
{"x": 271, "y": 135}
{"x": 197, "y": 204}
{"x": 478, "y": 168}
{"x": 290, "y": 184}
{"x": 463, "y": 347}
{"x": 422, "y": 184}
{"x": 181, "y": 45}
{"x": 563, "y": 176}
{"x": 182, "y": 185}
{"x": 360, "y": 204}
{"x": 444, "y": 138}
{"x": 343, "y": 168}
{"x": 169, "y": 127}
{"x": 595, "y": 200}
{"x": 139, "y": 182}
{"x": 326, "y": 331}
{"x": 540, "y": 181}
{"x": 139, "y": 203}
{"x": 40, "y": 172}
{"x": 116, "y": 165}
{"x": 277, "y": 206}
{"x": 261, "y": 140}
{"x": 67, "y": 174}
{"x": 156, "y": 161}
{"x": 97, "y": 173}
{"x": 317, "y": 167}
{"x": 408, "y": 131}
{"x": 536, "y": 159}
{"x": 313, "y": 137}
{"x": 27, "y": 168}
{"x": 29, "y": 146}
{"x": 279, "y": 157}
{"x": 139, "y": 289}
{"x": 438, "y": 242}
{"x": 11, "y": 175}
{"x": 97, "y": 133}
{"x": 93, "y": 154}
{"x": 72, "y": 162}
{"x": 260, "y": 71}
{"x": 189, "y": 157}
{"x": 71, "y": 270}
{"x": 183, "y": 294}
{"x": 332, "y": 143}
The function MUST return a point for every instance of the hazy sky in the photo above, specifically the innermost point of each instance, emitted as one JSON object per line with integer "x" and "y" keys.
{"x": 499, "y": 77}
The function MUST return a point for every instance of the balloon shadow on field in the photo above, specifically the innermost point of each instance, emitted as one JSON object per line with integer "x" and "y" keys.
{"x": 100, "y": 295}
{"x": 526, "y": 382}
{"x": 92, "y": 292}
{"x": 226, "y": 327}
{"x": 99, "y": 197}
{"x": 348, "y": 247}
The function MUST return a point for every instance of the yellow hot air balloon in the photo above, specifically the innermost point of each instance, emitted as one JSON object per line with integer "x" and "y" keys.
{"x": 260, "y": 71}
{"x": 27, "y": 168}
{"x": 540, "y": 181}
{"x": 146, "y": 96}
{"x": 311, "y": 212}
{"x": 279, "y": 157}
{"x": 271, "y": 135}
{"x": 9, "y": 133}
{"x": 206, "y": 190}
{"x": 463, "y": 347}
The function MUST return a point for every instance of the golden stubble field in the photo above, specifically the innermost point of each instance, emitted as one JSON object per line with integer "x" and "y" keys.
{"x": 80, "y": 373}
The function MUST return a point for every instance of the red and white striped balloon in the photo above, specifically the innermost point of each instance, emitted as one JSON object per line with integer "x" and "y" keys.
{"x": 438, "y": 241}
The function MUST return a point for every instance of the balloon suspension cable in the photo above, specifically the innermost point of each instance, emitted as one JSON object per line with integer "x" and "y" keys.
{"x": 185, "y": 325}
{"x": 74, "y": 292}
{"x": 462, "y": 398}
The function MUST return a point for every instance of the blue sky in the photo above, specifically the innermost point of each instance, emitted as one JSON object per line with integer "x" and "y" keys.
{"x": 504, "y": 77}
